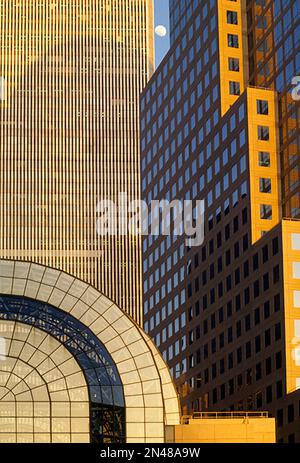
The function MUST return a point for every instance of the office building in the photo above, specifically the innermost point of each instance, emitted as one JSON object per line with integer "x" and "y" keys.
{"x": 76, "y": 369}
{"x": 69, "y": 130}
{"x": 225, "y": 314}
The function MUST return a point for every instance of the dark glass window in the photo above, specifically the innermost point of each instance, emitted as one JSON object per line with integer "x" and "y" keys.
{"x": 279, "y": 390}
{"x": 258, "y": 372}
{"x": 233, "y": 64}
{"x": 291, "y": 413}
{"x": 263, "y": 133}
{"x": 275, "y": 246}
{"x": 277, "y": 303}
{"x": 264, "y": 159}
{"x": 265, "y": 185}
{"x": 265, "y": 253}
{"x": 280, "y": 418}
{"x": 257, "y": 344}
{"x": 233, "y": 40}
{"x": 257, "y": 316}
{"x": 255, "y": 262}
{"x": 247, "y": 322}
{"x": 262, "y": 107}
{"x": 278, "y": 360}
{"x": 248, "y": 349}
{"x": 268, "y": 366}
{"x": 256, "y": 288}
{"x": 234, "y": 88}
{"x": 267, "y": 309}
{"x": 276, "y": 274}
{"x": 269, "y": 394}
{"x": 266, "y": 212}
{"x": 232, "y": 17}
{"x": 277, "y": 331}
{"x": 267, "y": 338}
{"x": 221, "y": 315}
{"x": 246, "y": 269}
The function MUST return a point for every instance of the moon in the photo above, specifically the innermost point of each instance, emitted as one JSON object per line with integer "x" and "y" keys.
{"x": 161, "y": 31}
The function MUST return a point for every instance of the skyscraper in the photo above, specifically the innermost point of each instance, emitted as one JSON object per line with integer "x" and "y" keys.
{"x": 69, "y": 131}
{"x": 225, "y": 314}
{"x": 274, "y": 54}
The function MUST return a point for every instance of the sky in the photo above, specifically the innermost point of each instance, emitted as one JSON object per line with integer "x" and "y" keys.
{"x": 162, "y": 44}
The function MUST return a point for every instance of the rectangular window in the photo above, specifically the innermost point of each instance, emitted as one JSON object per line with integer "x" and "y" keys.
{"x": 234, "y": 64}
{"x": 263, "y": 133}
{"x": 234, "y": 88}
{"x": 262, "y": 107}
{"x": 232, "y": 17}
{"x": 264, "y": 159}
{"x": 233, "y": 40}
{"x": 265, "y": 185}
{"x": 266, "y": 212}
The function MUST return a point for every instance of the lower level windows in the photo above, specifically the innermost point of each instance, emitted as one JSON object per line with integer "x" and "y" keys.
{"x": 264, "y": 159}
{"x": 265, "y": 185}
{"x": 265, "y": 212}
{"x": 234, "y": 88}
{"x": 234, "y": 64}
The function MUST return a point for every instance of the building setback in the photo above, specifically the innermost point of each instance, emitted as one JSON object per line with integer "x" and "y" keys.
{"x": 225, "y": 315}
{"x": 69, "y": 130}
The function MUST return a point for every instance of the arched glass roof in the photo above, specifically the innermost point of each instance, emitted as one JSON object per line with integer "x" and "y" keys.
{"x": 107, "y": 404}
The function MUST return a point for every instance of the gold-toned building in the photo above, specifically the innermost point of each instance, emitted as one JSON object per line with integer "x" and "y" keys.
{"x": 69, "y": 131}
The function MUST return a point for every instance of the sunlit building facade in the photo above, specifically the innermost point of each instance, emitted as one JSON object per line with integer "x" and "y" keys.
{"x": 75, "y": 367}
{"x": 274, "y": 56}
{"x": 225, "y": 315}
{"x": 71, "y": 75}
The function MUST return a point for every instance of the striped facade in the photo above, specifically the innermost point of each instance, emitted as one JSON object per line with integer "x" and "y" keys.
{"x": 69, "y": 131}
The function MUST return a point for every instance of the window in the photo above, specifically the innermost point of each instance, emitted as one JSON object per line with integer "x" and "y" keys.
{"x": 265, "y": 254}
{"x": 265, "y": 212}
{"x": 234, "y": 88}
{"x": 268, "y": 366}
{"x": 278, "y": 360}
{"x": 267, "y": 338}
{"x": 264, "y": 159}
{"x": 257, "y": 316}
{"x": 263, "y": 133}
{"x": 276, "y": 274}
{"x": 265, "y": 185}
{"x": 291, "y": 414}
{"x": 269, "y": 394}
{"x": 233, "y": 40}
{"x": 262, "y": 107}
{"x": 279, "y": 389}
{"x": 244, "y": 216}
{"x": 258, "y": 373}
{"x": 277, "y": 332}
{"x": 232, "y": 17}
{"x": 280, "y": 418}
{"x": 257, "y": 344}
{"x": 234, "y": 64}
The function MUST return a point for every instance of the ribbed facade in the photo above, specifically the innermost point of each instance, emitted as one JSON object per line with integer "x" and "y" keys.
{"x": 69, "y": 131}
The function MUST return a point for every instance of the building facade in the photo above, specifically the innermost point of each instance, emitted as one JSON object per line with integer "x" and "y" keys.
{"x": 71, "y": 75}
{"x": 224, "y": 314}
{"x": 76, "y": 369}
{"x": 274, "y": 54}
{"x": 74, "y": 366}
